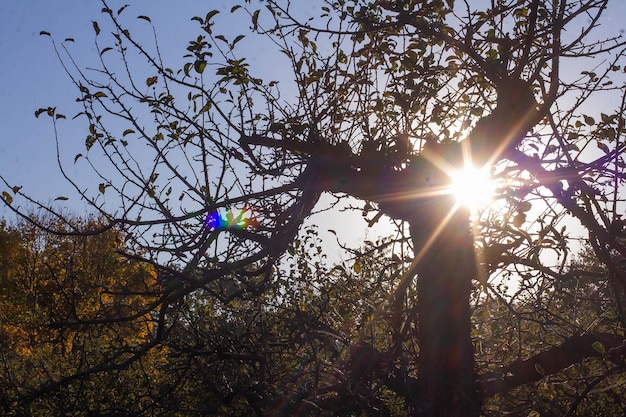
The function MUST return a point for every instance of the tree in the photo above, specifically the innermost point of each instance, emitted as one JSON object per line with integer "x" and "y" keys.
{"x": 69, "y": 304}
{"x": 390, "y": 95}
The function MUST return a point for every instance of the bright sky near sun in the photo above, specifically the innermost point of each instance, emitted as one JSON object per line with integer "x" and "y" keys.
{"x": 31, "y": 76}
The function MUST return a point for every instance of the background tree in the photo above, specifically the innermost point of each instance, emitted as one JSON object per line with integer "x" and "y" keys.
{"x": 71, "y": 307}
{"x": 385, "y": 91}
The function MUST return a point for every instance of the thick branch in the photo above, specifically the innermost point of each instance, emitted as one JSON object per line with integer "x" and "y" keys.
{"x": 573, "y": 350}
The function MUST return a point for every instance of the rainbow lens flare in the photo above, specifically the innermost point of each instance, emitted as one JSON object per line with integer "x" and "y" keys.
{"x": 241, "y": 219}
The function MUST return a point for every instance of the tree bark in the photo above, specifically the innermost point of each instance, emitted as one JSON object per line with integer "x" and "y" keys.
{"x": 447, "y": 380}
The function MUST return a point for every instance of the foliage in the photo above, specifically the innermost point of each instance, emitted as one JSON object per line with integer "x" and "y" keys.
{"x": 69, "y": 304}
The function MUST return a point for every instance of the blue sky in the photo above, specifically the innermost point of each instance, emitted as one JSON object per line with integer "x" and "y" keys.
{"x": 31, "y": 76}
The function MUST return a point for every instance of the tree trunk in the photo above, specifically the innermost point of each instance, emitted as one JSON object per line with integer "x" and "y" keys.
{"x": 446, "y": 264}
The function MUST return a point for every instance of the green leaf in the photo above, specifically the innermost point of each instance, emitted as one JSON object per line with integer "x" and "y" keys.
{"x": 235, "y": 8}
{"x": 100, "y": 94}
{"x": 186, "y": 68}
{"x": 598, "y": 347}
{"x": 7, "y": 197}
{"x": 199, "y": 66}
{"x": 276, "y": 127}
{"x": 96, "y": 27}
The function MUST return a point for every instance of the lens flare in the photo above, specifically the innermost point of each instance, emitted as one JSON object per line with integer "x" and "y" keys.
{"x": 230, "y": 219}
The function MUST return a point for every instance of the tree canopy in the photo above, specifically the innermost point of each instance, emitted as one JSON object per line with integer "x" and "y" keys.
{"x": 216, "y": 294}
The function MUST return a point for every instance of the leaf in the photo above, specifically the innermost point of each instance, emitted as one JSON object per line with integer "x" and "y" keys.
{"x": 128, "y": 132}
{"x": 357, "y": 267}
{"x": 61, "y": 198}
{"x": 598, "y": 347}
{"x": 100, "y": 94}
{"x": 235, "y": 8}
{"x": 199, "y": 66}
{"x": 43, "y": 32}
{"x": 102, "y": 187}
{"x": 16, "y": 189}
{"x": 524, "y": 206}
{"x": 210, "y": 15}
{"x": 519, "y": 220}
{"x": 151, "y": 81}
{"x": 77, "y": 157}
{"x": 89, "y": 141}
{"x": 69, "y": 40}
{"x": 255, "y": 20}
{"x": 121, "y": 9}
{"x": 603, "y": 146}
{"x": 589, "y": 120}
{"x": 7, "y": 197}
{"x": 186, "y": 68}
{"x": 96, "y": 27}
{"x": 237, "y": 39}
{"x": 39, "y": 111}
{"x": 108, "y": 48}
{"x": 276, "y": 127}
{"x": 144, "y": 18}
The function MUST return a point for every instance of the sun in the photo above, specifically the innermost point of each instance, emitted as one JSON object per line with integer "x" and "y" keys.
{"x": 472, "y": 187}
